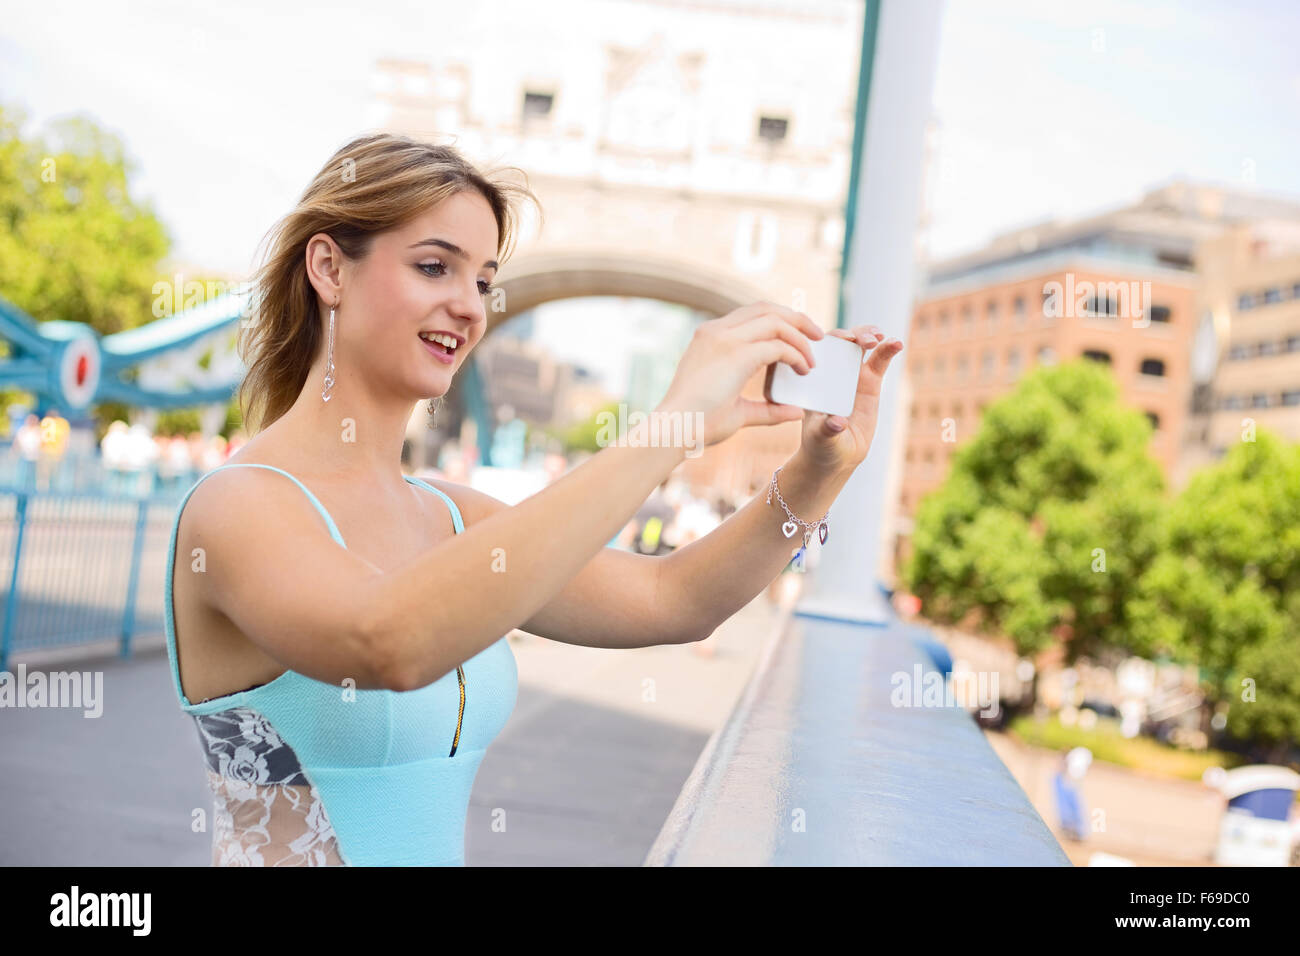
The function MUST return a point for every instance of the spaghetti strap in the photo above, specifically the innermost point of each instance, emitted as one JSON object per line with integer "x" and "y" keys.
{"x": 169, "y": 610}
{"x": 301, "y": 774}
{"x": 456, "y": 520}
{"x": 334, "y": 531}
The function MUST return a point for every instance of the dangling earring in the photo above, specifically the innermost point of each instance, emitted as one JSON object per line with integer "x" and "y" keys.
{"x": 433, "y": 412}
{"x": 329, "y": 360}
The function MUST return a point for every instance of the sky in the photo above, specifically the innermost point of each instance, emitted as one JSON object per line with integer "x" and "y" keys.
{"x": 1048, "y": 108}
{"x": 1043, "y": 108}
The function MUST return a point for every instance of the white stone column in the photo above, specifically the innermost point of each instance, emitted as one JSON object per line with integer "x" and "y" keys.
{"x": 878, "y": 291}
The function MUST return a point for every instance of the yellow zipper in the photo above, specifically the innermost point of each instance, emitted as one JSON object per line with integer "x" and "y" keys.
{"x": 460, "y": 679}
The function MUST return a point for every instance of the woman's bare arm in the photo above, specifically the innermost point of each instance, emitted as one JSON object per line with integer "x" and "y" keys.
{"x": 328, "y": 614}
{"x": 459, "y": 597}
{"x": 620, "y": 599}
{"x": 264, "y": 558}
{"x": 614, "y": 601}
{"x": 713, "y": 577}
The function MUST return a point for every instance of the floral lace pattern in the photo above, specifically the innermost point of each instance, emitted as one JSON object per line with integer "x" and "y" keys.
{"x": 265, "y": 810}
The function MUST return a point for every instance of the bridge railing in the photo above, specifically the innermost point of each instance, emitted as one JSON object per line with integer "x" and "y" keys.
{"x": 80, "y": 567}
{"x": 88, "y": 474}
{"x": 831, "y": 758}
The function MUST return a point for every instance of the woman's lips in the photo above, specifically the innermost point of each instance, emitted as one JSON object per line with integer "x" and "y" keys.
{"x": 437, "y": 352}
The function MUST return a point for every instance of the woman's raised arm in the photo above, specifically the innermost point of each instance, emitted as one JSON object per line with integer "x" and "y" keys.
{"x": 450, "y": 603}
{"x": 330, "y": 615}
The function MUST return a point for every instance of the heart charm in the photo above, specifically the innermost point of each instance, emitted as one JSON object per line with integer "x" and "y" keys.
{"x": 789, "y": 528}
{"x": 822, "y": 532}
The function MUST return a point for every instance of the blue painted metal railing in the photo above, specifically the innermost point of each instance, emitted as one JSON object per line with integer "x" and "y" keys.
{"x": 81, "y": 561}
{"x": 818, "y": 765}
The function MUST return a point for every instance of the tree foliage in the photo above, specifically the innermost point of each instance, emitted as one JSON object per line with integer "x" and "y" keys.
{"x": 1047, "y": 519}
{"x": 1225, "y": 589}
{"x": 1053, "y": 522}
{"x": 74, "y": 243}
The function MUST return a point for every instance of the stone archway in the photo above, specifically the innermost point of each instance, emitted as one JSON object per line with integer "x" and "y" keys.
{"x": 537, "y": 279}
{"x": 730, "y": 466}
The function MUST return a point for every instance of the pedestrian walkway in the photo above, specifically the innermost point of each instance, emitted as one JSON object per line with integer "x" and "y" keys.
{"x": 1148, "y": 819}
{"x": 601, "y": 742}
{"x": 584, "y": 773}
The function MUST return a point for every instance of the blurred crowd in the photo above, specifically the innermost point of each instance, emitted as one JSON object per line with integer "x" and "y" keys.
{"x": 131, "y": 459}
{"x": 673, "y": 517}
{"x": 130, "y": 450}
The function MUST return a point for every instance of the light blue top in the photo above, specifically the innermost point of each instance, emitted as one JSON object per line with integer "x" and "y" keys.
{"x": 381, "y": 761}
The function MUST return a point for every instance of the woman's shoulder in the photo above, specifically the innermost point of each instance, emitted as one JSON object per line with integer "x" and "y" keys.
{"x": 246, "y": 491}
{"x": 473, "y": 505}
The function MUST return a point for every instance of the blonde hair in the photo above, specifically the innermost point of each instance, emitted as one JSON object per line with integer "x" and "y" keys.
{"x": 376, "y": 182}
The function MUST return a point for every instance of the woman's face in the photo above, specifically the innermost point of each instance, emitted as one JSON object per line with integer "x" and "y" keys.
{"x": 427, "y": 276}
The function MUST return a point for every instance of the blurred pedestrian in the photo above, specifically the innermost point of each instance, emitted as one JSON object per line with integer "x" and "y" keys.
{"x": 651, "y": 518}
{"x": 54, "y": 442}
{"x": 1071, "y": 809}
{"x": 27, "y": 446}
{"x": 112, "y": 452}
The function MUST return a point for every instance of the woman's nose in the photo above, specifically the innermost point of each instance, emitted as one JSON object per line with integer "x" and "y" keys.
{"x": 468, "y": 303}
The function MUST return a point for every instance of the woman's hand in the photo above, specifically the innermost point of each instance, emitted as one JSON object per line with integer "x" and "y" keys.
{"x": 836, "y": 444}
{"x": 726, "y": 353}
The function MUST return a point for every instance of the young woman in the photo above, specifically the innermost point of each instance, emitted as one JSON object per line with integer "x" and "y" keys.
{"x": 337, "y": 629}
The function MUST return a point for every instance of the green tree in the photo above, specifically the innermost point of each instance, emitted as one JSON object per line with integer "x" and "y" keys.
{"x": 177, "y": 421}
{"x": 74, "y": 243}
{"x": 1270, "y": 713}
{"x": 1225, "y": 590}
{"x": 586, "y": 435}
{"x": 1047, "y": 518}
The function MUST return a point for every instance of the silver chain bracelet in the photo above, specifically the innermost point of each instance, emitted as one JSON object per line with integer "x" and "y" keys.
{"x": 791, "y": 526}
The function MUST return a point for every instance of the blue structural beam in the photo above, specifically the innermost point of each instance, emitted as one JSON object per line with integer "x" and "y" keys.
{"x": 70, "y": 365}
{"x": 132, "y": 395}
{"x": 20, "y": 330}
{"x": 29, "y": 374}
{"x": 476, "y": 404}
{"x": 133, "y": 346}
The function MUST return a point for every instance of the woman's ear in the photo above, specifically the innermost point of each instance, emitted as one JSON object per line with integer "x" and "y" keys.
{"x": 324, "y": 262}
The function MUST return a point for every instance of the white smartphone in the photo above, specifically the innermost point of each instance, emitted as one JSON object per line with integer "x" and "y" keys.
{"x": 832, "y": 384}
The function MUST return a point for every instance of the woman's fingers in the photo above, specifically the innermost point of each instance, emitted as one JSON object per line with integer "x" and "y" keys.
{"x": 771, "y": 328}
{"x": 763, "y": 412}
{"x": 756, "y": 310}
{"x": 767, "y": 351}
{"x": 868, "y": 336}
{"x": 883, "y": 354}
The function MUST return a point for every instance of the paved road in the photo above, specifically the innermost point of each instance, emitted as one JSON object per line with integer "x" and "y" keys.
{"x": 76, "y": 567}
{"x": 1149, "y": 819}
{"x": 587, "y": 768}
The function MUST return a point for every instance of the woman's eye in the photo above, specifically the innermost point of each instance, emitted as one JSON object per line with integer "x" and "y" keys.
{"x": 484, "y": 288}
